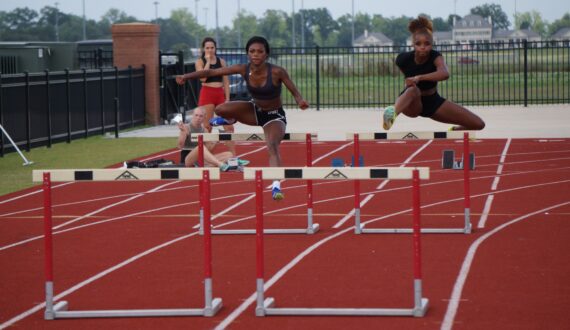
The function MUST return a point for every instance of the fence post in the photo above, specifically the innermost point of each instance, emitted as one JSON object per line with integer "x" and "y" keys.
{"x": 68, "y": 105}
{"x": 102, "y": 95}
{"x": 28, "y": 117}
{"x": 525, "y": 45}
{"x": 86, "y": 115}
{"x": 99, "y": 57}
{"x": 318, "y": 79}
{"x": 131, "y": 95}
{"x": 48, "y": 110}
{"x": 117, "y": 123}
{"x": 117, "y": 115}
{"x": 181, "y": 90}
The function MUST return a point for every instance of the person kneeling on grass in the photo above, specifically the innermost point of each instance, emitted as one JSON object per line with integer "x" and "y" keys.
{"x": 188, "y": 148}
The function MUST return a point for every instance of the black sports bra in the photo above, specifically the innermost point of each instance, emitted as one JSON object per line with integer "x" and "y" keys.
{"x": 214, "y": 66}
{"x": 265, "y": 92}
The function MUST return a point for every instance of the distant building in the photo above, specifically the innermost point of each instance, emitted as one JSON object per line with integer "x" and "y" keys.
{"x": 474, "y": 30}
{"x": 374, "y": 39}
{"x": 562, "y": 37}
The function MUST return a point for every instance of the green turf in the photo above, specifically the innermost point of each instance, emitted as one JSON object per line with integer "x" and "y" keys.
{"x": 93, "y": 152}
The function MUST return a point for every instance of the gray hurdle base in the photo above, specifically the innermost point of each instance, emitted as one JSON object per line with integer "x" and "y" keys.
{"x": 59, "y": 310}
{"x": 420, "y": 135}
{"x": 266, "y": 306}
{"x": 311, "y": 228}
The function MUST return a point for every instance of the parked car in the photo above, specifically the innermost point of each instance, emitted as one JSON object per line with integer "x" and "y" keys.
{"x": 467, "y": 60}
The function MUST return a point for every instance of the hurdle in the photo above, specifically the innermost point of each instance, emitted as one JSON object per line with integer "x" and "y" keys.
{"x": 265, "y": 306}
{"x": 450, "y": 135}
{"x": 307, "y": 137}
{"x": 59, "y": 310}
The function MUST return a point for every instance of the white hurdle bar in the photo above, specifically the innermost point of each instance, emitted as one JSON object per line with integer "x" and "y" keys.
{"x": 59, "y": 309}
{"x": 446, "y": 135}
{"x": 265, "y": 307}
{"x": 307, "y": 137}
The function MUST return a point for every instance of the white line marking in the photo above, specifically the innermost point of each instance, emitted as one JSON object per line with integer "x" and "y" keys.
{"x": 277, "y": 276}
{"x": 380, "y": 186}
{"x": 34, "y": 192}
{"x": 487, "y": 209}
{"x": 464, "y": 271}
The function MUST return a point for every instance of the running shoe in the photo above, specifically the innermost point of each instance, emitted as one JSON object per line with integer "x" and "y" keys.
{"x": 389, "y": 117}
{"x": 277, "y": 194}
{"x": 224, "y": 167}
{"x": 242, "y": 162}
{"x": 219, "y": 121}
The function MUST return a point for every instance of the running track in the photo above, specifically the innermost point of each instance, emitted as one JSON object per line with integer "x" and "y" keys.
{"x": 133, "y": 245}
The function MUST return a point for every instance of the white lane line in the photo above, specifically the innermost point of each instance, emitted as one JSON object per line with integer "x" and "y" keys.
{"x": 494, "y": 185}
{"x": 246, "y": 303}
{"x": 465, "y": 267}
{"x": 252, "y": 298}
{"x": 114, "y": 204}
{"x": 68, "y": 183}
{"x": 380, "y": 186}
{"x": 34, "y": 193}
{"x": 93, "y": 279}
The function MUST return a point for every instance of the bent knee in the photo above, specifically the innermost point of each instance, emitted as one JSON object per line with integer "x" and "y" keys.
{"x": 413, "y": 92}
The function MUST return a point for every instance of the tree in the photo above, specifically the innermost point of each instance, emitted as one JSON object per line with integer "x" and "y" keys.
{"x": 531, "y": 20}
{"x": 498, "y": 16}
{"x": 559, "y": 24}
{"x": 273, "y": 26}
{"x": 321, "y": 21}
{"x": 247, "y": 27}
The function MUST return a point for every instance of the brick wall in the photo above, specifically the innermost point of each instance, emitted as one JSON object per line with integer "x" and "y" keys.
{"x": 136, "y": 44}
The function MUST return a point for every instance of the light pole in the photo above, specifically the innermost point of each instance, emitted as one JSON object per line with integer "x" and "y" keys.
{"x": 238, "y": 24}
{"x": 217, "y": 29}
{"x": 302, "y": 25}
{"x": 352, "y": 23}
{"x": 155, "y": 11}
{"x": 293, "y": 24}
{"x": 206, "y": 18}
{"x": 197, "y": 22}
{"x": 84, "y": 30}
{"x": 56, "y": 21}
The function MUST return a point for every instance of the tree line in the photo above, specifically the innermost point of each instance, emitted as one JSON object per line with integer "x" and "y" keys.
{"x": 181, "y": 31}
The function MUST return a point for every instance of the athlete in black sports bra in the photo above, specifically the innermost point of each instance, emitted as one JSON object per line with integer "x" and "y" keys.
{"x": 264, "y": 82}
{"x": 423, "y": 68}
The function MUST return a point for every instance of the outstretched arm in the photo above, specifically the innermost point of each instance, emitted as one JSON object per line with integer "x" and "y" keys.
{"x": 223, "y": 71}
{"x": 293, "y": 89}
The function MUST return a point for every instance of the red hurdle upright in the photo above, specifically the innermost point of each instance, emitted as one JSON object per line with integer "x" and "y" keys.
{"x": 266, "y": 306}
{"x": 59, "y": 310}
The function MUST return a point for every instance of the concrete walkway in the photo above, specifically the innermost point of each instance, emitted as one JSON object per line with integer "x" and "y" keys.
{"x": 545, "y": 121}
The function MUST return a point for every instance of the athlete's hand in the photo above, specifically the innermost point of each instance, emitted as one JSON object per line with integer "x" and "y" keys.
{"x": 180, "y": 80}
{"x": 303, "y": 104}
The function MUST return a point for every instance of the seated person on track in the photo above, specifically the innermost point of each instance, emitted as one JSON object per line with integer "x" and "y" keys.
{"x": 188, "y": 148}
{"x": 264, "y": 81}
{"x": 423, "y": 68}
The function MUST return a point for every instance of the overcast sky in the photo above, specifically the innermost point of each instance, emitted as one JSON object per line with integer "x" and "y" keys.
{"x": 145, "y": 9}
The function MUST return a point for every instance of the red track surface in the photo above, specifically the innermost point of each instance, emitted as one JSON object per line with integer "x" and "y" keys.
{"x": 509, "y": 273}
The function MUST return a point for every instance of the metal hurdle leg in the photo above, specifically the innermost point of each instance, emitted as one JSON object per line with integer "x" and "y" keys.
{"x": 448, "y": 161}
{"x": 266, "y": 306}
{"x": 312, "y": 227}
{"x": 59, "y": 310}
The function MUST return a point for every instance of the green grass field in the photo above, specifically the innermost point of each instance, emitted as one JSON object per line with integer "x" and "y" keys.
{"x": 94, "y": 152}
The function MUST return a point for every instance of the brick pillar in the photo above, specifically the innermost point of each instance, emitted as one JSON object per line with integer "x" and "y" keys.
{"x": 136, "y": 44}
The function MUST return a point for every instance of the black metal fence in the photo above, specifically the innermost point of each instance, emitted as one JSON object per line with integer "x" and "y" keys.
{"x": 481, "y": 74}
{"x": 38, "y": 109}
